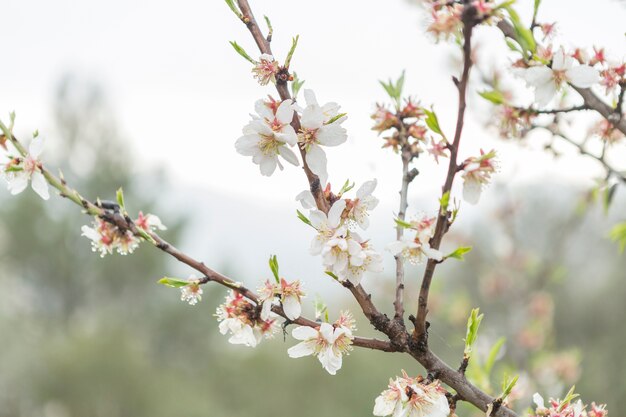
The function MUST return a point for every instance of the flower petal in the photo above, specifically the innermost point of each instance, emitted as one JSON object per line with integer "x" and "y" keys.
{"x": 582, "y": 76}
{"x": 39, "y": 184}
{"x": 316, "y": 159}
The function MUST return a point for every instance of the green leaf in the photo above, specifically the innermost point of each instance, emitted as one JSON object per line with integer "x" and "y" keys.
{"x": 332, "y": 275}
{"x": 321, "y": 310}
{"x": 459, "y": 252}
{"x": 571, "y": 395}
{"x": 507, "y": 386}
{"x": 494, "y": 96}
{"x": 432, "y": 121}
{"x": 231, "y": 4}
{"x": 334, "y": 119}
{"x": 346, "y": 187}
{"x": 401, "y": 223}
{"x": 536, "y": 9}
{"x": 473, "y": 323}
{"x": 269, "y": 27}
{"x": 173, "y": 282}
{"x": 274, "y": 267}
{"x": 242, "y": 52}
{"x": 394, "y": 89}
{"x": 618, "y": 235}
{"x": 304, "y": 219}
{"x": 609, "y": 193}
{"x": 296, "y": 85}
{"x": 120, "y": 198}
{"x": 444, "y": 202}
{"x": 523, "y": 35}
{"x": 294, "y": 43}
{"x": 513, "y": 47}
{"x": 493, "y": 355}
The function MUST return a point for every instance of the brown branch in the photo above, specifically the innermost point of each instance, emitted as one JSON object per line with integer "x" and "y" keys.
{"x": 613, "y": 115}
{"x": 362, "y": 297}
{"x": 466, "y": 391}
{"x": 441, "y": 227}
{"x": 283, "y": 91}
{"x": 125, "y": 223}
{"x": 620, "y": 175}
{"x": 553, "y": 111}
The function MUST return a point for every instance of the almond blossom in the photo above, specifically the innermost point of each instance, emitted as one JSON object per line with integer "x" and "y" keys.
{"x": 320, "y": 126}
{"x": 289, "y": 294}
{"x": 267, "y": 135}
{"x": 446, "y": 21}
{"x": 266, "y": 69}
{"x": 240, "y": 317}
{"x": 547, "y": 80}
{"x": 18, "y": 171}
{"x": 327, "y": 226}
{"x": 438, "y": 149}
{"x": 476, "y": 173}
{"x": 106, "y": 237}
{"x": 359, "y": 208}
{"x": 414, "y": 249}
{"x": 412, "y": 397}
{"x": 149, "y": 222}
{"x": 365, "y": 260}
{"x": 192, "y": 292}
{"x": 329, "y": 342}
{"x": 565, "y": 407}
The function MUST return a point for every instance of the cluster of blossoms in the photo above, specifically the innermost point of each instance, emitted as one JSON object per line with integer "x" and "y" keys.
{"x": 242, "y": 319}
{"x": 447, "y": 16}
{"x": 415, "y": 249}
{"x": 513, "y": 123}
{"x": 476, "y": 173}
{"x": 289, "y": 294}
{"x": 344, "y": 253}
{"x": 412, "y": 397}
{"x": 106, "y": 237}
{"x": 548, "y": 78}
{"x": 329, "y": 342}
{"x": 408, "y": 130}
{"x": 20, "y": 170}
{"x": 192, "y": 292}
{"x": 269, "y": 134}
{"x": 566, "y": 408}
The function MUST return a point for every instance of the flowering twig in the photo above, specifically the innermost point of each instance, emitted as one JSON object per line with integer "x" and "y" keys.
{"x": 591, "y": 100}
{"x": 123, "y": 222}
{"x": 620, "y": 175}
{"x": 281, "y": 86}
{"x": 420, "y": 332}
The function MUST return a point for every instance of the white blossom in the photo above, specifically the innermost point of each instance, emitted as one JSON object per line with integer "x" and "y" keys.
{"x": 329, "y": 342}
{"x": 192, "y": 292}
{"x": 548, "y": 80}
{"x": 19, "y": 171}
{"x": 414, "y": 249}
{"x": 267, "y": 136}
{"x": 412, "y": 397}
{"x": 477, "y": 172}
{"x": 319, "y": 129}
{"x": 238, "y": 316}
{"x": 359, "y": 208}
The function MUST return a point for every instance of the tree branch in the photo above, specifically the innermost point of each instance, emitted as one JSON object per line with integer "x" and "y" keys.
{"x": 420, "y": 332}
{"x": 613, "y": 115}
{"x": 283, "y": 91}
{"x": 125, "y": 223}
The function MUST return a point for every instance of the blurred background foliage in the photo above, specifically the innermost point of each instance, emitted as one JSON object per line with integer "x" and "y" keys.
{"x": 84, "y": 336}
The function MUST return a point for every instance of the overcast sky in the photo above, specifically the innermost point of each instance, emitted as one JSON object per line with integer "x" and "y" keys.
{"x": 179, "y": 89}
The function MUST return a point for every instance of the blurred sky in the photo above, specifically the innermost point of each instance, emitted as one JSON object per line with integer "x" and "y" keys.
{"x": 182, "y": 95}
